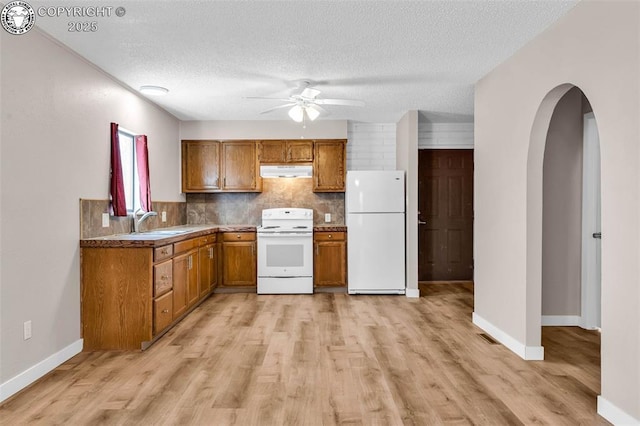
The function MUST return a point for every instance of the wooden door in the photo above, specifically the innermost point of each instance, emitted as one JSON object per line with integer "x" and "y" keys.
{"x": 239, "y": 263}
{"x": 207, "y": 268}
{"x": 200, "y": 166}
{"x": 180, "y": 284}
{"x": 239, "y": 166}
{"x": 272, "y": 152}
{"x": 329, "y": 263}
{"x": 299, "y": 151}
{"x": 329, "y": 166}
{"x": 445, "y": 203}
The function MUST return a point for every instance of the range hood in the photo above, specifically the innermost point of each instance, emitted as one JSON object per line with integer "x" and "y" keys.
{"x": 286, "y": 171}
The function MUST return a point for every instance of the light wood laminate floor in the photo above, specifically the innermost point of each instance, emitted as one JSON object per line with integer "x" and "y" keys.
{"x": 323, "y": 359}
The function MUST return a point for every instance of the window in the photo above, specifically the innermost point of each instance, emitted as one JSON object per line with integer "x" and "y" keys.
{"x": 129, "y": 169}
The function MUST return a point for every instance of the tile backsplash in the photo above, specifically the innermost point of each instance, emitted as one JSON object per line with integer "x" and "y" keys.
{"x": 246, "y": 208}
{"x": 91, "y": 218}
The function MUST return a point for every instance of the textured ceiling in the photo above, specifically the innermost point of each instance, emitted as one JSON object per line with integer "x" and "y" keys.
{"x": 393, "y": 55}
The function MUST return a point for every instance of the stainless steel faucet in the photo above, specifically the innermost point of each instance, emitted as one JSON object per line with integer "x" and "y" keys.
{"x": 138, "y": 222}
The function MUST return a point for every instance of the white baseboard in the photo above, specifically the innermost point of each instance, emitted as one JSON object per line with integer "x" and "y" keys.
{"x": 412, "y": 292}
{"x": 30, "y": 375}
{"x": 529, "y": 353}
{"x": 614, "y": 414}
{"x": 561, "y": 320}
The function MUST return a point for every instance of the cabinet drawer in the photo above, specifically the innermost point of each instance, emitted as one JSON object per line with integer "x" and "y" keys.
{"x": 162, "y": 312}
{"x": 162, "y": 278}
{"x": 329, "y": 236}
{"x": 208, "y": 239}
{"x": 239, "y": 236}
{"x": 186, "y": 245}
{"x": 162, "y": 253}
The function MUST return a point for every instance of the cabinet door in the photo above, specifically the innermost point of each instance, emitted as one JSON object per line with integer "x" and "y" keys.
{"x": 180, "y": 284}
{"x": 240, "y": 166}
{"x": 273, "y": 152}
{"x": 300, "y": 151}
{"x": 200, "y": 166}
{"x": 193, "y": 285}
{"x": 329, "y": 264}
{"x": 239, "y": 263}
{"x": 185, "y": 282}
{"x": 329, "y": 166}
{"x": 207, "y": 269}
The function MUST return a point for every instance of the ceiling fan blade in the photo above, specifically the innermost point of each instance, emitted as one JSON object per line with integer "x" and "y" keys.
{"x": 310, "y": 93}
{"x": 319, "y": 109}
{"x": 273, "y": 99}
{"x": 346, "y": 102}
{"x": 278, "y": 107}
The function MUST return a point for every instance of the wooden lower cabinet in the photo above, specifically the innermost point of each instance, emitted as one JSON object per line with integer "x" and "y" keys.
{"x": 131, "y": 295}
{"x": 162, "y": 312}
{"x": 239, "y": 260}
{"x": 185, "y": 282}
{"x": 330, "y": 259}
{"x": 208, "y": 268}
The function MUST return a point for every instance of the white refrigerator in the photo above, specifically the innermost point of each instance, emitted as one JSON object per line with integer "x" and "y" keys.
{"x": 375, "y": 216}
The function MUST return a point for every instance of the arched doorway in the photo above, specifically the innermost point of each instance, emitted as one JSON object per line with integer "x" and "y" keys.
{"x": 556, "y": 224}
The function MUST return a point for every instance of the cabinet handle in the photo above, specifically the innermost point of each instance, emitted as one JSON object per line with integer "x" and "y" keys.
{"x": 210, "y": 252}
{"x": 165, "y": 311}
{"x": 317, "y": 250}
{"x": 330, "y": 236}
{"x": 164, "y": 277}
{"x": 164, "y": 251}
{"x": 190, "y": 262}
{"x": 238, "y": 236}
{"x": 224, "y": 181}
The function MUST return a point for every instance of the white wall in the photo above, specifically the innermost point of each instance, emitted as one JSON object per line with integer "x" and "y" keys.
{"x": 262, "y": 129}
{"x": 445, "y": 135}
{"x": 596, "y": 47}
{"x": 407, "y": 160}
{"x": 372, "y": 146}
{"x": 54, "y": 150}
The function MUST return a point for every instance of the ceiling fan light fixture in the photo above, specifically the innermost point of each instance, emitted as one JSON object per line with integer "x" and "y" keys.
{"x": 154, "y": 90}
{"x": 297, "y": 113}
{"x": 312, "y": 113}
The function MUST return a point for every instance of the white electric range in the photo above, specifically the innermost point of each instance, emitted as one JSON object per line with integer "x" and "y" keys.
{"x": 285, "y": 251}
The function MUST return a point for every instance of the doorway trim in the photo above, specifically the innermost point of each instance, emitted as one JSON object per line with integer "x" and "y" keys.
{"x": 591, "y": 248}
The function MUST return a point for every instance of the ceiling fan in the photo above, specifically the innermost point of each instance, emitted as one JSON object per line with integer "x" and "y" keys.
{"x": 304, "y": 103}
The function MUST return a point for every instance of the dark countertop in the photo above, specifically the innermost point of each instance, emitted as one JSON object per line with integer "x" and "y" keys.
{"x": 162, "y": 236}
{"x": 330, "y": 228}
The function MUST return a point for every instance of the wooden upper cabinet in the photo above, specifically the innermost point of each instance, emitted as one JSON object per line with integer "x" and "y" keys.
{"x": 273, "y": 152}
{"x": 285, "y": 151}
{"x": 299, "y": 151}
{"x": 240, "y": 167}
{"x": 200, "y": 166}
{"x": 329, "y": 165}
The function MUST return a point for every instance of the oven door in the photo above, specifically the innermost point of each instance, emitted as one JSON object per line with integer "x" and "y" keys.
{"x": 285, "y": 254}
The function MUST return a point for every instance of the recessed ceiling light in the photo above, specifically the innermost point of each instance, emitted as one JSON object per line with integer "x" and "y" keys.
{"x": 154, "y": 90}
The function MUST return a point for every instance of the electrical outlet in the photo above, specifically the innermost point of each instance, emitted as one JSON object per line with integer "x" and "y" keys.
{"x": 164, "y": 216}
{"x": 105, "y": 220}
{"x": 327, "y": 217}
{"x": 27, "y": 330}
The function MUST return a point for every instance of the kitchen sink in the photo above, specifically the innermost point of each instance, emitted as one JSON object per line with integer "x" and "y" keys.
{"x": 168, "y": 232}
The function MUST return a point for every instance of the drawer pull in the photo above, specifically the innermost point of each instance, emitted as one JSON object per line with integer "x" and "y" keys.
{"x": 238, "y": 236}
{"x": 165, "y": 311}
{"x": 330, "y": 236}
{"x": 164, "y": 251}
{"x": 164, "y": 277}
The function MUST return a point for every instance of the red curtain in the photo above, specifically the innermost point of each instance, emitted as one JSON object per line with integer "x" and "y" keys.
{"x": 116, "y": 190}
{"x": 142, "y": 155}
